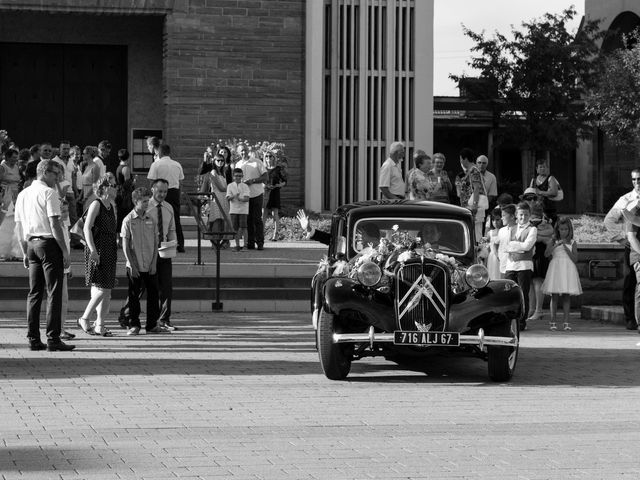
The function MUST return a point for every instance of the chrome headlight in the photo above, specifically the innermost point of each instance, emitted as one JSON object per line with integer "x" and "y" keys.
{"x": 369, "y": 274}
{"x": 477, "y": 276}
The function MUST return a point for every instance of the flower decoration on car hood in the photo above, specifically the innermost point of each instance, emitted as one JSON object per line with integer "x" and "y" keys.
{"x": 400, "y": 248}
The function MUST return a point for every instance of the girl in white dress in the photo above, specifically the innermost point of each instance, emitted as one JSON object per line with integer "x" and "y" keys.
{"x": 493, "y": 262}
{"x": 562, "y": 278}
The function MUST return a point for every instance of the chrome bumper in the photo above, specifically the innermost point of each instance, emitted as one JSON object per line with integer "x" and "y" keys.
{"x": 480, "y": 339}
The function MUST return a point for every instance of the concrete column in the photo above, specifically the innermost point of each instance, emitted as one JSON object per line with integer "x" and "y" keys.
{"x": 424, "y": 75}
{"x": 313, "y": 105}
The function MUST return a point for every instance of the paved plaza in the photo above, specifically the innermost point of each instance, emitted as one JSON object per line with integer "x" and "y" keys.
{"x": 241, "y": 396}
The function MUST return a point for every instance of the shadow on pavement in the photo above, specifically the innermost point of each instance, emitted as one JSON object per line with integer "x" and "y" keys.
{"x": 575, "y": 367}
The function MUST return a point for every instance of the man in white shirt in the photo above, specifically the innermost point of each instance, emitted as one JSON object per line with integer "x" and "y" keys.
{"x": 170, "y": 170}
{"x": 489, "y": 180}
{"x": 39, "y": 229}
{"x": 64, "y": 161}
{"x": 255, "y": 176}
{"x": 614, "y": 223}
{"x": 104, "y": 149}
{"x": 162, "y": 212}
{"x": 390, "y": 180}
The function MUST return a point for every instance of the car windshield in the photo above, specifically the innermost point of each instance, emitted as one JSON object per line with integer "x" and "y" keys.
{"x": 445, "y": 235}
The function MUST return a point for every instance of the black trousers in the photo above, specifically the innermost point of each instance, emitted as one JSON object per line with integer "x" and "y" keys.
{"x": 523, "y": 279}
{"x": 173, "y": 198}
{"x": 46, "y": 271}
{"x": 255, "y": 227}
{"x": 150, "y": 283}
{"x": 164, "y": 272}
{"x": 165, "y": 283}
{"x": 629, "y": 289}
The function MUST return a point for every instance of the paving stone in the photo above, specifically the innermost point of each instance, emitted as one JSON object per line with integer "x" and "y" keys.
{"x": 242, "y": 396}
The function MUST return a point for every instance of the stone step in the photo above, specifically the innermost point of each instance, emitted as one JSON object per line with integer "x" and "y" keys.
{"x": 604, "y": 313}
{"x": 193, "y": 305}
{"x": 180, "y": 294}
{"x": 187, "y": 283}
{"x": 244, "y": 269}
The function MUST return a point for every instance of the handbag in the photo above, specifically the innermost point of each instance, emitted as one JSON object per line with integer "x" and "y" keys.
{"x": 78, "y": 228}
{"x": 558, "y": 197}
{"x": 483, "y": 199}
{"x": 483, "y": 202}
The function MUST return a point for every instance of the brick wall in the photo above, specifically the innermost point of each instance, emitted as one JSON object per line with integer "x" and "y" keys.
{"x": 236, "y": 69}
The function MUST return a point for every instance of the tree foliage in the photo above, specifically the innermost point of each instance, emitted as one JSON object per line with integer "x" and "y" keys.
{"x": 541, "y": 73}
{"x": 614, "y": 102}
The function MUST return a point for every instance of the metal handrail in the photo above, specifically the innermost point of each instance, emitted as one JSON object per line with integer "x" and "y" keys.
{"x": 216, "y": 237}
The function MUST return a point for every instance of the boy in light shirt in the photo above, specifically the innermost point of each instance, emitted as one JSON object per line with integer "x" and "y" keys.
{"x": 238, "y": 196}
{"x": 520, "y": 254}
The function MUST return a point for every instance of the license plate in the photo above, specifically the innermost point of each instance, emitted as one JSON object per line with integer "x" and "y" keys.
{"x": 445, "y": 339}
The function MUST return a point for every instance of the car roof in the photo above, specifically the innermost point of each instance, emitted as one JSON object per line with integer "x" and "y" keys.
{"x": 403, "y": 207}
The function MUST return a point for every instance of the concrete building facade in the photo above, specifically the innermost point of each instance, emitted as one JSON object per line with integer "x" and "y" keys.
{"x": 195, "y": 71}
{"x": 604, "y": 169}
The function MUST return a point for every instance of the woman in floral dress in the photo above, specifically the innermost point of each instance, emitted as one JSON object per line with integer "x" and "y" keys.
{"x": 421, "y": 180}
{"x": 215, "y": 182}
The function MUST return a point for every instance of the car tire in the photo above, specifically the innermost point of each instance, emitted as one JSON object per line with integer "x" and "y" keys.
{"x": 502, "y": 361}
{"x": 335, "y": 358}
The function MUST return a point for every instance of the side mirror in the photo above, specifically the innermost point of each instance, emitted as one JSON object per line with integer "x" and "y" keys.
{"x": 341, "y": 245}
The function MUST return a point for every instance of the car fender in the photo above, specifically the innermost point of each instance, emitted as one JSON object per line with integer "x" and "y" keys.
{"x": 496, "y": 302}
{"x": 342, "y": 294}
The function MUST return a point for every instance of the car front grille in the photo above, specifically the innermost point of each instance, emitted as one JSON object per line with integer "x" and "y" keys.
{"x": 422, "y": 296}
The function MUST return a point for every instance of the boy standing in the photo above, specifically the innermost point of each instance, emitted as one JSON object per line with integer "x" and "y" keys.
{"x": 238, "y": 196}
{"x": 519, "y": 266}
{"x": 140, "y": 245}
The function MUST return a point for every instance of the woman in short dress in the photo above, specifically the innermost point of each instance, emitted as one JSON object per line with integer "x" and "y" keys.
{"x": 442, "y": 193}
{"x": 101, "y": 254}
{"x": 277, "y": 180}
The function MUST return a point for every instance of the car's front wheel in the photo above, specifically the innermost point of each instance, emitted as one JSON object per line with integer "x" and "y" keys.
{"x": 335, "y": 358}
{"x": 502, "y": 360}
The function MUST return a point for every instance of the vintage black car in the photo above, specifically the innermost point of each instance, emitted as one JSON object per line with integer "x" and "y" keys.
{"x": 402, "y": 277}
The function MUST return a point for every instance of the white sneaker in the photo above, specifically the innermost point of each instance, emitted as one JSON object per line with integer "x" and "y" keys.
{"x": 133, "y": 331}
{"x": 167, "y": 326}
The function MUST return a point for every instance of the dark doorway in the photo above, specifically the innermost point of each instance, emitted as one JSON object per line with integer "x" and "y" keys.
{"x": 53, "y": 92}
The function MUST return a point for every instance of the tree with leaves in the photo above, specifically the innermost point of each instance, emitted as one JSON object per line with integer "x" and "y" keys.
{"x": 614, "y": 102}
{"x": 539, "y": 76}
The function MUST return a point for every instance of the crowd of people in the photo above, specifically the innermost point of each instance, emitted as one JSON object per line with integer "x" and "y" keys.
{"x": 54, "y": 200}
{"x": 525, "y": 241}
{"x": 244, "y": 191}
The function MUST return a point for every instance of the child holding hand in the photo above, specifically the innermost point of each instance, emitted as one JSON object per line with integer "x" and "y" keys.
{"x": 238, "y": 196}
{"x": 562, "y": 279}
